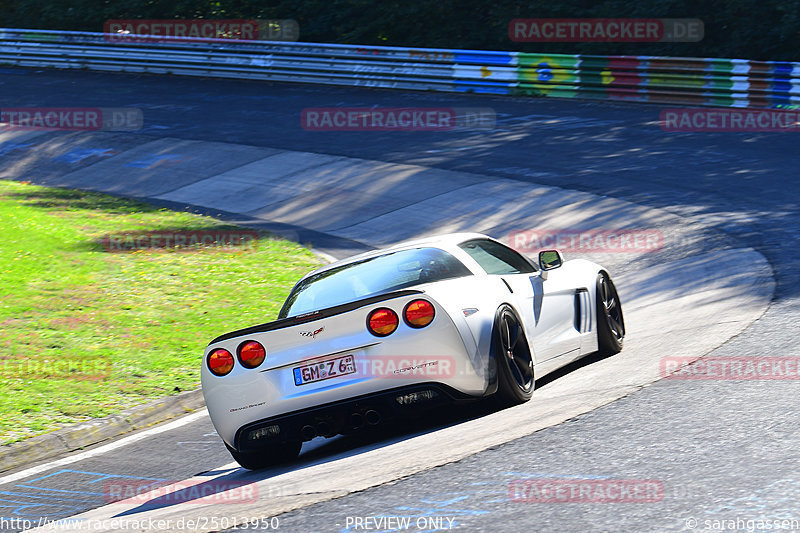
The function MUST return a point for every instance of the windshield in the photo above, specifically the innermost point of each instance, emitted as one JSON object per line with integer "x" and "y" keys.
{"x": 370, "y": 277}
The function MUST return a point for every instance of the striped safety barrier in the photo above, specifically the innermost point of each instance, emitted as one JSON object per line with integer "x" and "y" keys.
{"x": 667, "y": 80}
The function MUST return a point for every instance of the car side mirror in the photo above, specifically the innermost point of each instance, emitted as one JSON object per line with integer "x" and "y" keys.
{"x": 549, "y": 260}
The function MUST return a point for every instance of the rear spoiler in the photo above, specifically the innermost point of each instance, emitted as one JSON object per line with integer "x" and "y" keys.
{"x": 314, "y": 315}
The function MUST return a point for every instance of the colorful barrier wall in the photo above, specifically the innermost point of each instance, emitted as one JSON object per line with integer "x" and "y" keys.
{"x": 667, "y": 80}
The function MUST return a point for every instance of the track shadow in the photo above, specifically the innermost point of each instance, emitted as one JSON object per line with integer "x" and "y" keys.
{"x": 321, "y": 451}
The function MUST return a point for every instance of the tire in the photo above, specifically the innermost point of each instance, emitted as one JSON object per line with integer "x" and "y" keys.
{"x": 515, "y": 377}
{"x": 610, "y": 321}
{"x": 271, "y": 455}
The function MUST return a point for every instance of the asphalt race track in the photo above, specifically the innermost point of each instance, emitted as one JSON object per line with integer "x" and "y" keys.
{"x": 720, "y": 450}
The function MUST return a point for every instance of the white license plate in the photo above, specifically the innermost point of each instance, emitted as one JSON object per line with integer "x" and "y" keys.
{"x": 331, "y": 368}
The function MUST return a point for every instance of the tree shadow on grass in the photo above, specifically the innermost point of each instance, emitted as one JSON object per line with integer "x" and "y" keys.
{"x": 187, "y": 237}
{"x": 53, "y": 198}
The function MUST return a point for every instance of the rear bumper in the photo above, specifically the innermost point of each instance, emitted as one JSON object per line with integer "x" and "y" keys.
{"x": 444, "y": 352}
{"x": 347, "y": 415}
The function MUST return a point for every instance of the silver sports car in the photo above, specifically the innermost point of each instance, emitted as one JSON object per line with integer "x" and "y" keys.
{"x": 391, "y": 332}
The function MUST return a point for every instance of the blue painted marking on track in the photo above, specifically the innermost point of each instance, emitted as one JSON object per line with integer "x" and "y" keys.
{"x": 18, "y": 508}
{"x": 100, "y": 475}
{"x": 61, "y": 490}
{"x": 52, "y": 502}
{"x": 28, "y": 495}
{"x": 445, "y": 502}
{"x": 554, "y": 476}
{"x": 79, "y": 154}
{"x": 97, "y": 475}
{"x": 440, "y": 507}
{"x": 155, "y": 160}
{"x": 776, "y": 501}
{"x": 8, "y": 147}
{"x": 11, "y": 501}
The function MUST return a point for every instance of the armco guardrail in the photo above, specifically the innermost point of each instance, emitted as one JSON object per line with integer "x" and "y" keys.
{"x": 715, "y": 82}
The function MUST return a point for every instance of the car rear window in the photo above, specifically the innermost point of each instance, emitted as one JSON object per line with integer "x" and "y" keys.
{"x": 496, "y": 258}
{"x": 370, "y": 277}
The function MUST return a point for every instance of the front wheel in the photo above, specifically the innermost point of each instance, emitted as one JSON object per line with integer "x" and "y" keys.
{"x": 513, "y": 359}
{"x": 610, "y": 322}
{"x": 271, "y": 455}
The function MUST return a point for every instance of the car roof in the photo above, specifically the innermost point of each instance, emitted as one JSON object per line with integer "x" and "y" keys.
{"x": 444, "y": 241}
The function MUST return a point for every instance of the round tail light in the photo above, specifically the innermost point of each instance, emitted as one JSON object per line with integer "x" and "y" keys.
{"x": 419, "y": 313}
{"x": 382, "y": 322}
{"x": 220, "y": 362}
{"x": 251, "y": 354}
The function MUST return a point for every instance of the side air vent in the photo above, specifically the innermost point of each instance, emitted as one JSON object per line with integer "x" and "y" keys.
{"x": 583, "y": 311}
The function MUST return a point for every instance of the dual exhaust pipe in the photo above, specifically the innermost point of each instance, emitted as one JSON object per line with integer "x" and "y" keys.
{"x": 356, "y": 421}
{"x": 371, "y": 418}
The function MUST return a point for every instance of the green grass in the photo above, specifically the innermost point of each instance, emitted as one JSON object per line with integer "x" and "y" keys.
{"x": 134, "y": 324}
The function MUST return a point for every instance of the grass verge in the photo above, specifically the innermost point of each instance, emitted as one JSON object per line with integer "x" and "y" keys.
{"x": 85, "y": 332}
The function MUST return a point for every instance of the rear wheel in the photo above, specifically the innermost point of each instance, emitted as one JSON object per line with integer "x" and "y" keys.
{"x": 271, "y": 455}
{"x": 513, "y": 359}
{"x": 610, "y": 322}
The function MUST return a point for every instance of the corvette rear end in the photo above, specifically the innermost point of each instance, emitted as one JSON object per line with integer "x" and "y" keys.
{"x": 342, "y": 368}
